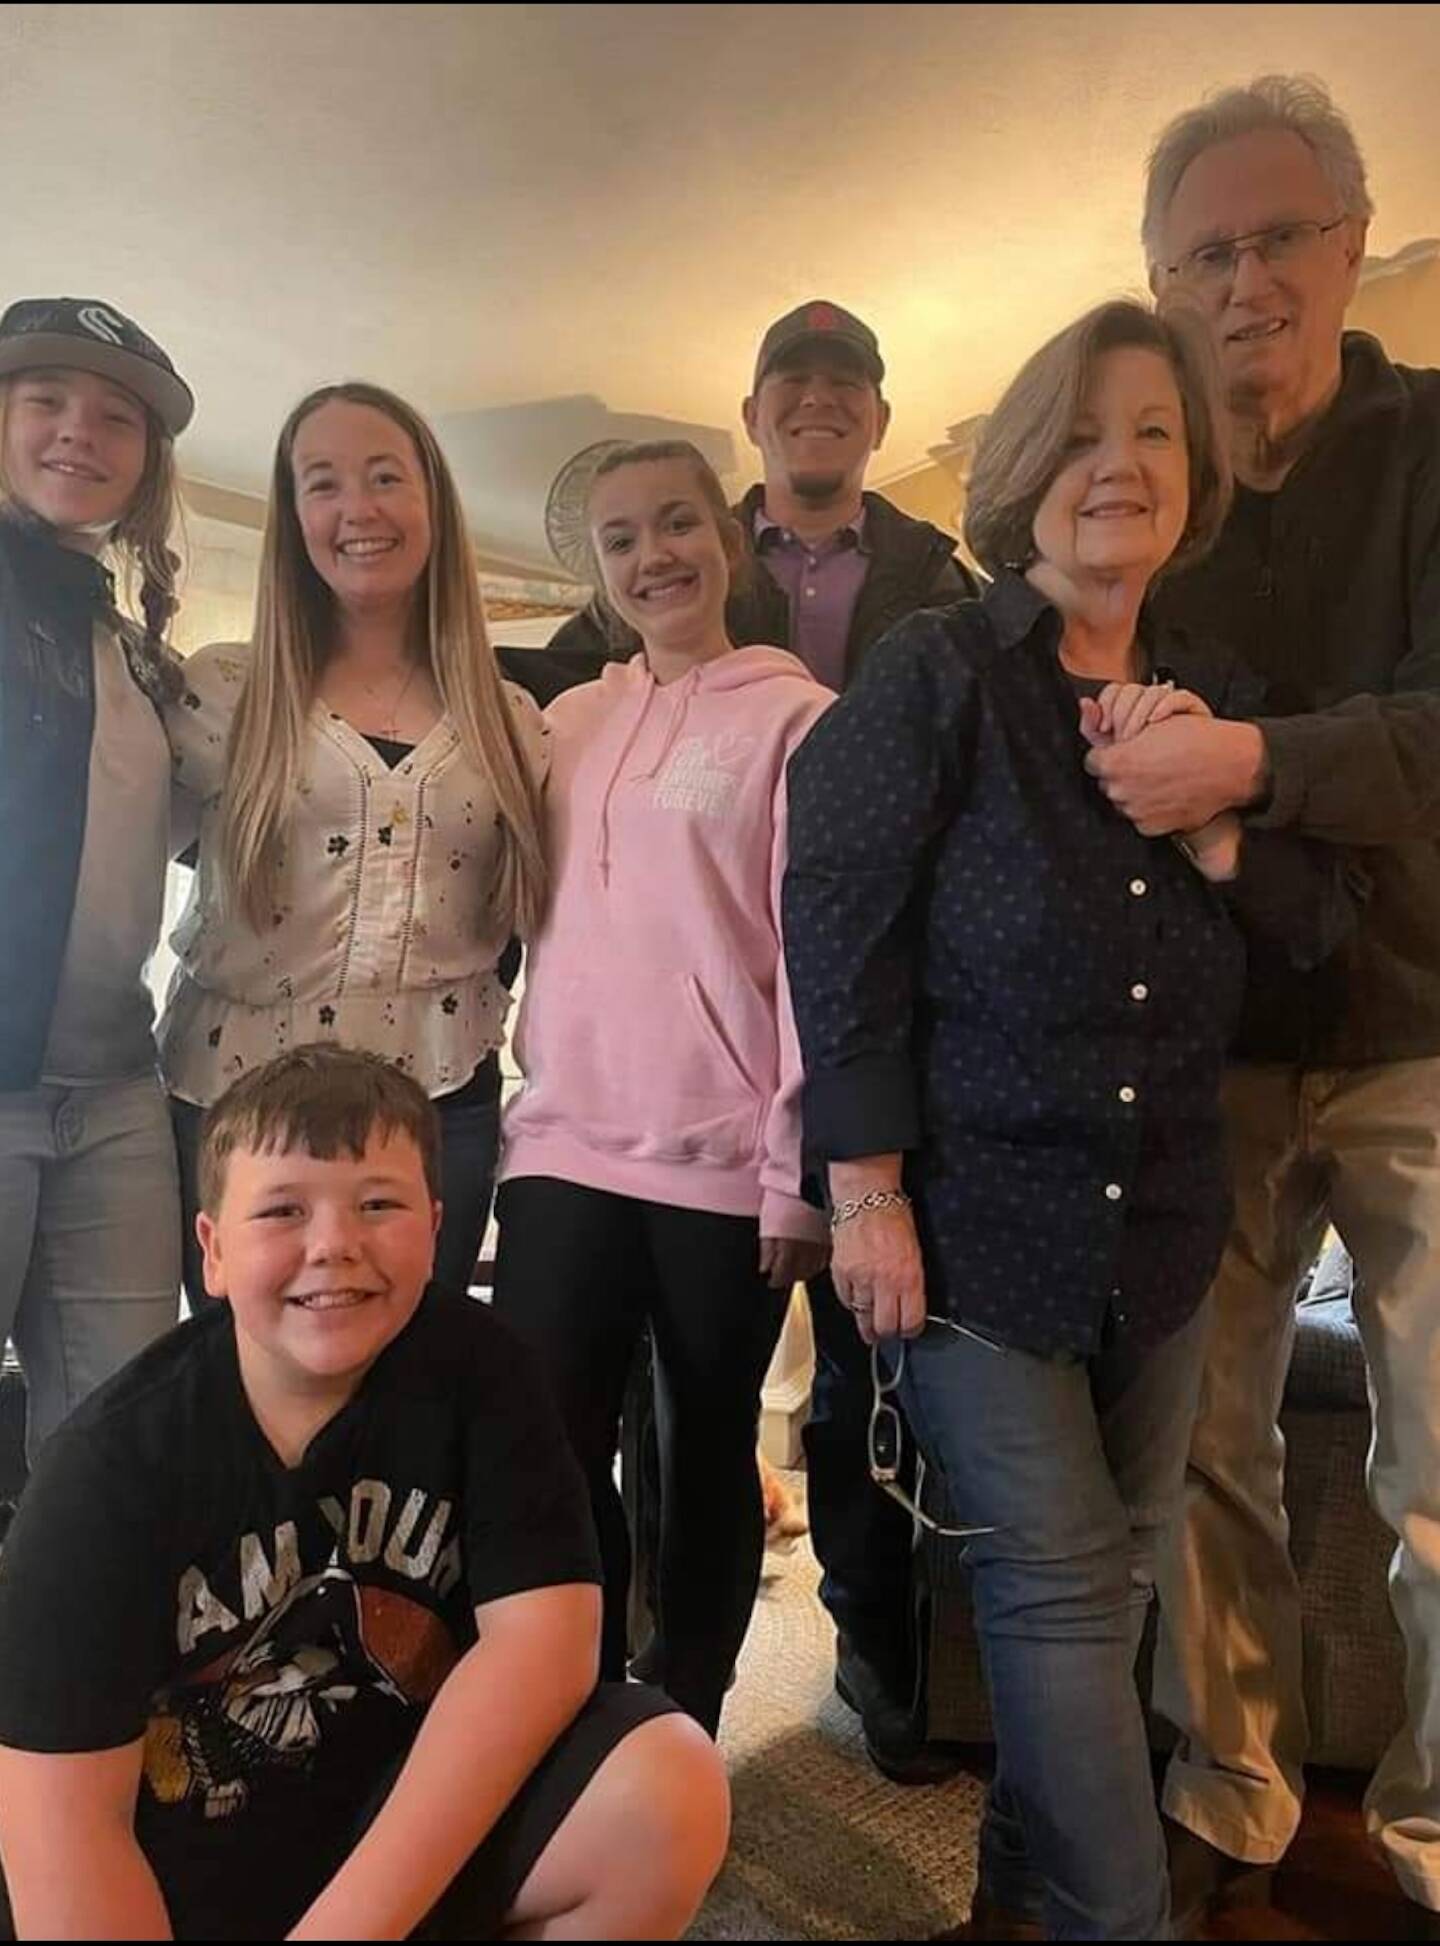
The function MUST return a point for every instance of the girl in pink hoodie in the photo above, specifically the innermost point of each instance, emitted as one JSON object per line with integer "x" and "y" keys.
{"x": 651, "y": 1164}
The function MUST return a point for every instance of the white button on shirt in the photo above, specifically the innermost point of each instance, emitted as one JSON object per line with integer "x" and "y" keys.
{"x": 1138, "y": 887}
{"x": 1114, "y": 1191}
{"x": 1139, "y": 991}
{"x": 1127, "y": 1095}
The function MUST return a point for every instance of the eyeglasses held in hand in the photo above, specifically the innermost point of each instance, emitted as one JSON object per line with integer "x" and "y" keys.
{"x": 1216, "y": 263}
{"x": 886, "y": 1441}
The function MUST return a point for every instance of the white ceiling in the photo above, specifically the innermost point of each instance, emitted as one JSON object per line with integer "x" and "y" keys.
{"x": 530, "y": 219}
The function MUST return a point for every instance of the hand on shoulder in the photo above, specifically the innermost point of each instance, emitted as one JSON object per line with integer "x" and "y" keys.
{"x": 197, "y": 720}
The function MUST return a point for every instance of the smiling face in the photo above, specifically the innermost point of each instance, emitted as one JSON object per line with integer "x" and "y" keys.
{"x": 362, "y": 502}
{"x": 1119, "y": 503}
{"x": 1277, "y": 325}
{"x": 663, "y": 558}
{"x": 323, "y": 1261}
{"x": 75, "y": 450}
{"x": 817, "y": 417}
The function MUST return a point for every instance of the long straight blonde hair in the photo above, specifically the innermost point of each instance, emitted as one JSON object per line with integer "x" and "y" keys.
{"x": 294, "y": 633}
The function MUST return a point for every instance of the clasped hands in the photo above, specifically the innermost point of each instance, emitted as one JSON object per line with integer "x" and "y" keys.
{"x": 1164, "y": 762}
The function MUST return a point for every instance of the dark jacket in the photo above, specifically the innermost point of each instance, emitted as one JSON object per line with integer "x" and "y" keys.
{"x": 993, "y": 972}
{"x": 547, "y": 673}
{"x": 50, "y": 597}
{"x": 1330, "y": 589}
{"x": 912, "y": 565}
{"x": 50, "y": 600}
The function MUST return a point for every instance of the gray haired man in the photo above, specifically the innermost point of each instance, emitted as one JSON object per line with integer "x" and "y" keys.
{"x": 1327, "y": 579}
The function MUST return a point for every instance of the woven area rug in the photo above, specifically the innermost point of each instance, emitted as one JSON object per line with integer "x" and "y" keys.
{"x": 823, "y": 1847}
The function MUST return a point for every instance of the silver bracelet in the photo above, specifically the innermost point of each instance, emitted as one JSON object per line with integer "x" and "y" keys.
{"x": 872, "y": 1199}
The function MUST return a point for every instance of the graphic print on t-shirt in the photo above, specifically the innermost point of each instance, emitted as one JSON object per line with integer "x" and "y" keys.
{"x": 321, "y": 1644}
{"x": 272, "y": 1635}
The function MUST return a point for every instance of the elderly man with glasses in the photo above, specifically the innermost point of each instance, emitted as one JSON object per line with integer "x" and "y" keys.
{"x": 1326, "y": 579}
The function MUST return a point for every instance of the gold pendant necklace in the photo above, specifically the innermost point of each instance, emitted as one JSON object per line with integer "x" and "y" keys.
{"x": 391, "y": 725}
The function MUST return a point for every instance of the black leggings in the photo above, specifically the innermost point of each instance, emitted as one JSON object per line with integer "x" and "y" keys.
{"x": 578, "y": 1274}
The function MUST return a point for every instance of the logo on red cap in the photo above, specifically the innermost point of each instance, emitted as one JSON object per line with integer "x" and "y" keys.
{"x": 823, "y": 317}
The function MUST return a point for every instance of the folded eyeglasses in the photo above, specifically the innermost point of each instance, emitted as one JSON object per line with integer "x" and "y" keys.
{"x": 886, "y": 1439}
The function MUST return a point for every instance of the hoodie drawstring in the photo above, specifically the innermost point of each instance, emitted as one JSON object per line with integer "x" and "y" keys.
{"x": 739, "y": 668}
{"x": 687, "y": 687}
{"x": 602, "y": 835}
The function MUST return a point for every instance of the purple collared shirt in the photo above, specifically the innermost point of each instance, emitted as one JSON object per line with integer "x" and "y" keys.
{"x": 823, "y": 580}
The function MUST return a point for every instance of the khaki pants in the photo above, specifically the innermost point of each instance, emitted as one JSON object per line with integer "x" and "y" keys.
{"x": 1359, "y": 1148}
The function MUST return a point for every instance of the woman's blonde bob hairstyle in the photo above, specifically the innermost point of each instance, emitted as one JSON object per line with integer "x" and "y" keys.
{"x": 294, "y": 634}
{"x": 1025, "y": 442}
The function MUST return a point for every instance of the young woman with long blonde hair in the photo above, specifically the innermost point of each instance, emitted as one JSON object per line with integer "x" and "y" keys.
{"x": 89, "y": 1222}
{"x": 370, "y": 791}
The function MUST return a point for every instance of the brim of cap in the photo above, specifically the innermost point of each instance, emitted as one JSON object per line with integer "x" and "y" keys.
{"x": 170, "y": 398}
{"x": 871, "y": 360}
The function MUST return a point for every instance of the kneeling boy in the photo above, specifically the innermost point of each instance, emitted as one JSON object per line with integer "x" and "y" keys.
{"x": 299, "y": 1623}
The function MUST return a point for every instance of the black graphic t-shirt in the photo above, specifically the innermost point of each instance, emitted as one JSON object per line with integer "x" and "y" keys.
{"x": 276, "y": 1633}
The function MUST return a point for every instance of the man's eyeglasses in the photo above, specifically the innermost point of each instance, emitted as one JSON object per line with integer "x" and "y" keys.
{"x": 886, "y": 1443}
{"x": 1216, "y": 263}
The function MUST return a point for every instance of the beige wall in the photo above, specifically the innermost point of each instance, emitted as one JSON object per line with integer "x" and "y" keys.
{"x": 929, "y": 494}
{"x": 1403, "y": 311}
{"x": 217, "y": 583}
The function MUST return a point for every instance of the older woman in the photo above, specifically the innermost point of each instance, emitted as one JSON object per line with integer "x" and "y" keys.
{"x": 1013, "y": 1010}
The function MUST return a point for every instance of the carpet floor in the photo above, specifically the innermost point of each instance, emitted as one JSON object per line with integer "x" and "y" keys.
{"x": 823, "y": 1847}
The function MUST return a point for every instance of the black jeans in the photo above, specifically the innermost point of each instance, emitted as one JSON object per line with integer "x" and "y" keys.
{"x": 863, "y": 1539}
{"x": 578, "y": 1274}
{"x": 469, "y": 1137}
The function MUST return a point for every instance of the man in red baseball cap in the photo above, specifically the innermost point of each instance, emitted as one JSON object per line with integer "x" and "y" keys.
{"x": 841, "y": 565}
{"x": 816, "y": 325}
{"x": 845, "y": 563}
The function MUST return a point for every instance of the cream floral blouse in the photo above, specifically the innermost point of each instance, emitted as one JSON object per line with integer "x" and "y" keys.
{"x": 381, "y": 937}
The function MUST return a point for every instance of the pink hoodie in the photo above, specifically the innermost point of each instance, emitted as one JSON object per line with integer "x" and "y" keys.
{"x": 655, "y": 1036}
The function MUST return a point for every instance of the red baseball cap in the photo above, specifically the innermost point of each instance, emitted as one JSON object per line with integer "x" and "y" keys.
{"x": 819, "y": 322}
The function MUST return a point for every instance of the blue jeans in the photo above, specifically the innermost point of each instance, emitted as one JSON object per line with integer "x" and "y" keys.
{"x": 469, "y": 1142}
{"x": 1079, "y": 1466}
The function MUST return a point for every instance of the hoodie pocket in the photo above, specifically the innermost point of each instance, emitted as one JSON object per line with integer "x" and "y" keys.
{"x": 659, "y": 1082}
{"x": 712, "y": 1029}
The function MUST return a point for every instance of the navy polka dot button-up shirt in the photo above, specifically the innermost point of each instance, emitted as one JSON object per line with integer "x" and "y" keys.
{"x": 994, "y": 972}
